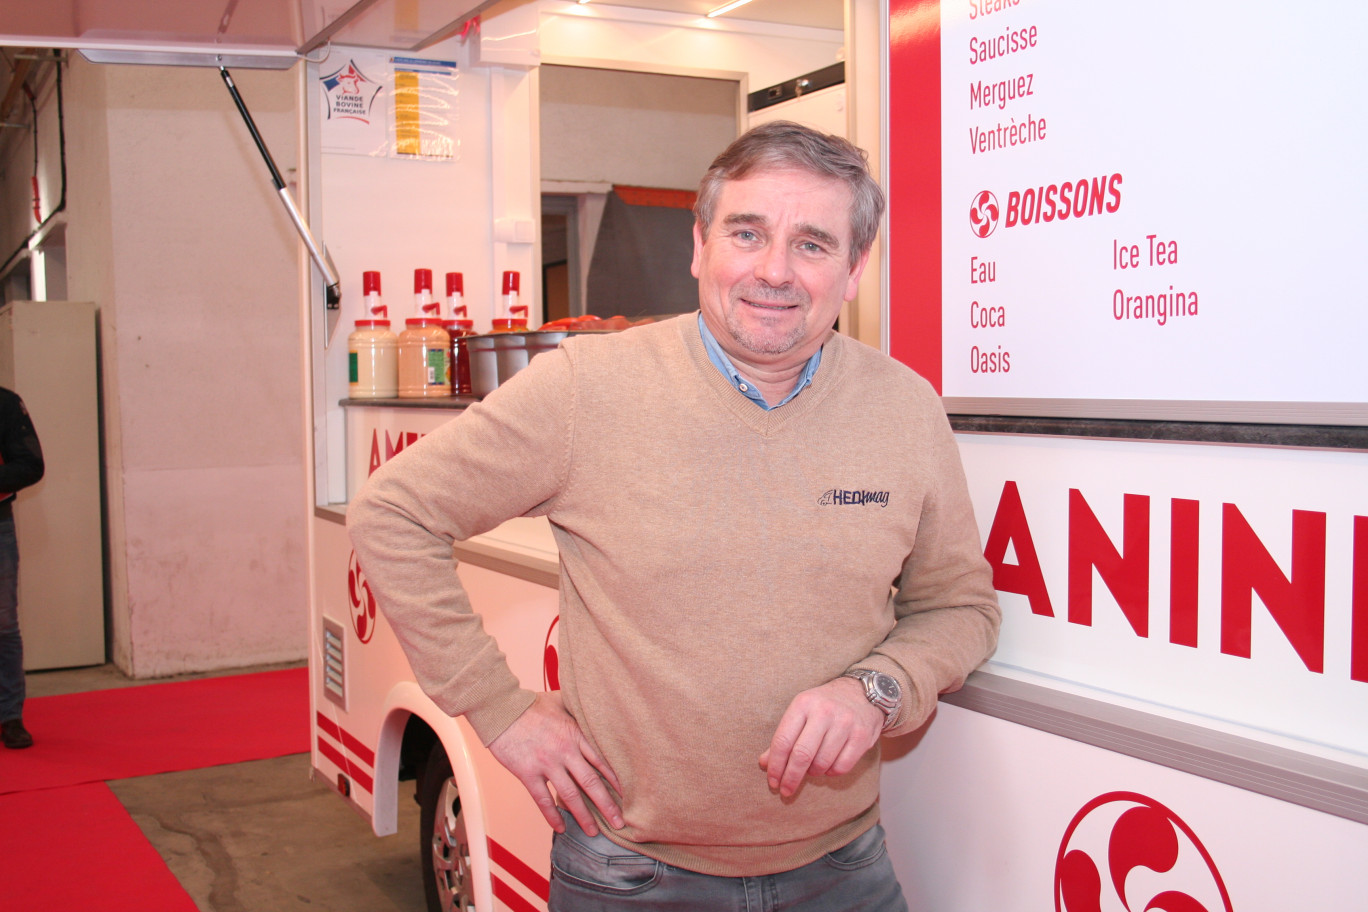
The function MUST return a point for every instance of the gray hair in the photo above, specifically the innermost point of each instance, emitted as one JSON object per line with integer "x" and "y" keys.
{"x": 782, "y": 144}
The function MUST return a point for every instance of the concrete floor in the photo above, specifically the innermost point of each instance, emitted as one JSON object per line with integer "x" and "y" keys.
{"x": 261, "y": 836}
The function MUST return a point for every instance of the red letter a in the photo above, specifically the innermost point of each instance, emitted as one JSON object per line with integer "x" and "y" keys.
{"x": 1010, "y": 528}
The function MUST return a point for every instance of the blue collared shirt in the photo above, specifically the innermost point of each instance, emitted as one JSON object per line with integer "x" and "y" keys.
{"x": 720, "y": 360}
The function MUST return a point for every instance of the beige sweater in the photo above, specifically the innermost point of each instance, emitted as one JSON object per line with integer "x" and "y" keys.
{"x": 716, "y": 559}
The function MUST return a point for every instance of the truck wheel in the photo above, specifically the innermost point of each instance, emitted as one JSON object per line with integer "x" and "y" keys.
{"x": 443, "y": 843}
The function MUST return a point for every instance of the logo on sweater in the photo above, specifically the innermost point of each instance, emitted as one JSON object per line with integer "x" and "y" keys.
{"x": 839, "y": 498}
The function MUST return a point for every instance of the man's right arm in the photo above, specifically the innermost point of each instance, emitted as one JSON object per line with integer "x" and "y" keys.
{"x": 503, "y": 458}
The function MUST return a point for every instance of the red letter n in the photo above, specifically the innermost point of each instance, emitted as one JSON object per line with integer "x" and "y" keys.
{"x": 1126, "y": 576}
{"x": 1358, "y": 635}
{"x": 1183, "y": 571}
{"x": 1297, "y": 603}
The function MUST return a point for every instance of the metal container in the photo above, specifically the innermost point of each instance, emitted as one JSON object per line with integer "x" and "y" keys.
{"x": 496, "y": 357}
{"x": 544, "y": 341}
{"x": 484, "y": 367}
{"x": 510, "y": 351}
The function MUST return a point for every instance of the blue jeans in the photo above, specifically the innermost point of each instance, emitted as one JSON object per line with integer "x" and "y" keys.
{"x": 594, "y": 874}
{"x": 11, "y": 645}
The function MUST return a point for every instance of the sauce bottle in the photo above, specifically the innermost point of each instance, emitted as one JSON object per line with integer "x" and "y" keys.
{"x": 424, "y": 359}
{"x": 511, "y": 316}
{"x": 460, "y": 329}
{"x": 370, "y": 287}
{"x": 516, "y": 322}
{"x": 455, "y": 291}
{"x": 510, "y": 294}
{"x": 424, "y": 304}
{"x": 372, "y": 361}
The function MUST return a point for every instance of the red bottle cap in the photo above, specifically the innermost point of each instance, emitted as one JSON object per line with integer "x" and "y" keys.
{"x": 370, "y": 282}
{"x": 510, "y": 282}
{"x": 455, "y": 283}
{"x": 422, "y": 280}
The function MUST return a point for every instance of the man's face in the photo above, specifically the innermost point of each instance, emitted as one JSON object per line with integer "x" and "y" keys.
{"x": 775, "y": 268}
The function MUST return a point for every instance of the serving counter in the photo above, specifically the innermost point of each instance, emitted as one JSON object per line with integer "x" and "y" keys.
{"x": 379, "y": 429}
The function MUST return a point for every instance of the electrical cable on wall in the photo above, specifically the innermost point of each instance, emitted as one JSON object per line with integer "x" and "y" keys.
{"x": 37, "y": 199}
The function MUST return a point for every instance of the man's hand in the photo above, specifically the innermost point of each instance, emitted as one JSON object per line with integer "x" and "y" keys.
{"x": 545, "y": 746}
{"x": 824, "y": 731}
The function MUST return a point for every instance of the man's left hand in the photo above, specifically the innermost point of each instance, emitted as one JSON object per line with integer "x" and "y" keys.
{"x": 824, "y": 731}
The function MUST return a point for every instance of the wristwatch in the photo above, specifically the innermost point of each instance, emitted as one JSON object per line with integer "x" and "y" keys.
{"x": 883, "y": 690}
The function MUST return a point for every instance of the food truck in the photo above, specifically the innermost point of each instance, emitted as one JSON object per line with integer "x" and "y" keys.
{"x": 1121, "y": 242}
{"x": 1168, "y": 467}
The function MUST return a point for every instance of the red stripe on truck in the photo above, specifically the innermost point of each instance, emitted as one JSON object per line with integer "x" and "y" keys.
{"x": 519, "y": 869}
{"x": 362, "y": 779}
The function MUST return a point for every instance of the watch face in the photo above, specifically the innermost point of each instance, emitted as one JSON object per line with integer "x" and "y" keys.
{"x": 888, "y": 688}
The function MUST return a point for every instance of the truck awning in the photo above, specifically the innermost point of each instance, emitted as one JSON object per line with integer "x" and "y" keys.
{"x": 264, "y": 34}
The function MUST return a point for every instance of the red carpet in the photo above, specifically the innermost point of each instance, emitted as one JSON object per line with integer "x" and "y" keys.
{"x": 158, "y": 728}
{"x": 75, "y": 849}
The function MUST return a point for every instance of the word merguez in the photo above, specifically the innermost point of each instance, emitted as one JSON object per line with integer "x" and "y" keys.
{"x": 991, "y": 92}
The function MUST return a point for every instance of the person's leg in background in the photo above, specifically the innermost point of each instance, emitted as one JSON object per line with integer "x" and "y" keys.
{"x": 12, "y": 691}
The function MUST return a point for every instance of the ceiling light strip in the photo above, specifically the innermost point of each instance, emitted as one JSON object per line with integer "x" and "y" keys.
{"x": 727, "y": 8}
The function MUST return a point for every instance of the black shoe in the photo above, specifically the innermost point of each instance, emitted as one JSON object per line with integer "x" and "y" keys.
{"x": 14, "y": 735}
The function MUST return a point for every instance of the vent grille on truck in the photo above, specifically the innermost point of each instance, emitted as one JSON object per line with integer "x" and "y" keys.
{"x": 334, "y": 663}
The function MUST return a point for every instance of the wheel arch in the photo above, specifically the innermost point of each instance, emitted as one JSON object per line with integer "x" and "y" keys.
{"x": 412, "y": 725}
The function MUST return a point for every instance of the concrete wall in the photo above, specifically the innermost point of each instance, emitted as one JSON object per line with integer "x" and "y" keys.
{"x": 174, "y": 230}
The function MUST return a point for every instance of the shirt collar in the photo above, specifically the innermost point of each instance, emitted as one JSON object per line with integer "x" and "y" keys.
{"x": 747, "y": 388}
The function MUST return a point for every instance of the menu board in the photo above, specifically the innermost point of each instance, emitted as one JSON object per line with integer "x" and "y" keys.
{"x": 1131, "y": 210}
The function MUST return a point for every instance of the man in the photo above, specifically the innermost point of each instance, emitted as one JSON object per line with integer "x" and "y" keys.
{"x": 21, "y": 464}
{"x": 768, "y": 559}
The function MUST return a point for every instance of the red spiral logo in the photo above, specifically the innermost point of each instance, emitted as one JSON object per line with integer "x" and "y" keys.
{"x": 984, "y": 213}
{"x": 362, "y": 601}
{"x": 1153, "y": 861}
{"x": 551, "y": 658}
